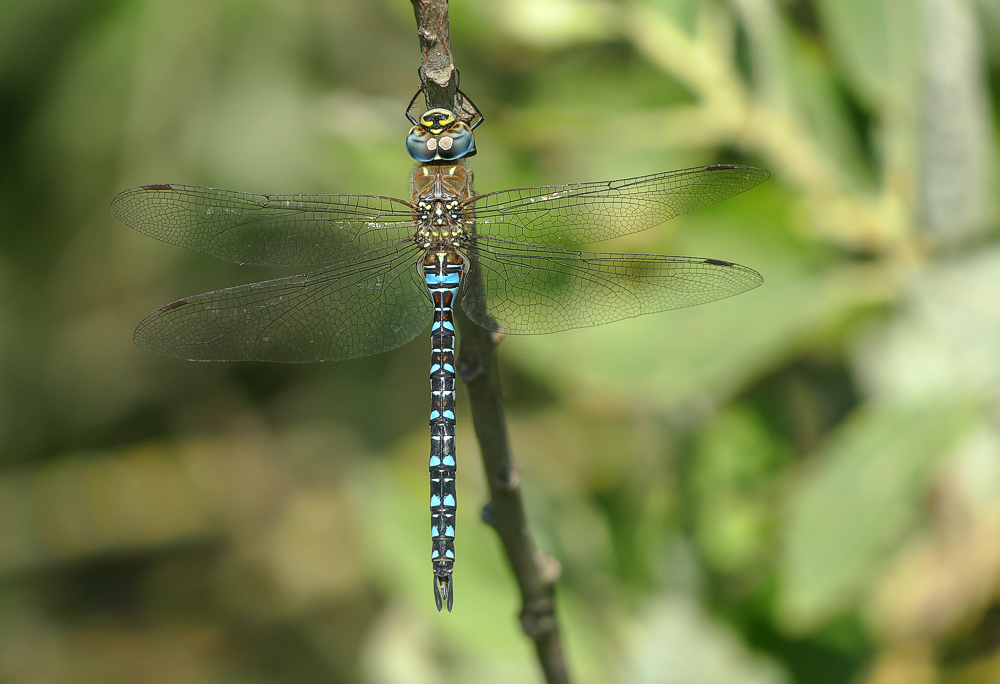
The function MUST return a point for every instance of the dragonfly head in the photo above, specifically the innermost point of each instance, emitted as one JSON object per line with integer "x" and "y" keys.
{"x": 437, "y": 120}
{"x": 440, "y": 136}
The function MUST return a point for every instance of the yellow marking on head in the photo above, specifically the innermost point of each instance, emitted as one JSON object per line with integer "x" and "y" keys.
{"x": 436, "y": 120}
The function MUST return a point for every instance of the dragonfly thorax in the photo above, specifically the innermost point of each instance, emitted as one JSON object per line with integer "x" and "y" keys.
{"x": 440, "y": 224}
{"x": 440, "y": 193}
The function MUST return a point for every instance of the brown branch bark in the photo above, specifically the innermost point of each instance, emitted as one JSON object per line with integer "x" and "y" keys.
{"x": 535, "y": 573}
{"x": 435, "y": 45}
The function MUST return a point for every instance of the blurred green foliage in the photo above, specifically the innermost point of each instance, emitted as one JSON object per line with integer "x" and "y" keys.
{"x": 798, "y": 485}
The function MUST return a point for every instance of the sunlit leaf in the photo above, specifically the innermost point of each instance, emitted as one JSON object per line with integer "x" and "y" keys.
{"x": 847, "y": 513}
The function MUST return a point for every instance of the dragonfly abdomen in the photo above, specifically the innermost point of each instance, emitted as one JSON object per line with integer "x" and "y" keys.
{"x": 443, "y": 273}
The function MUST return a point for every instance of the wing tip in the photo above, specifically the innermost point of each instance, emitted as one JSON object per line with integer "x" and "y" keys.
{"x": 755, "y": 278}
{"x": 116, "y": 203}
{"x": 756, "y": 172}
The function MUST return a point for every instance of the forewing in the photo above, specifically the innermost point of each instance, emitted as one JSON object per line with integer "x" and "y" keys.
{"x": 582, "y": 213}
{"x": 522, "y": 289}
{"x": 265, "y": 230}
{"x": 356, "y": 308}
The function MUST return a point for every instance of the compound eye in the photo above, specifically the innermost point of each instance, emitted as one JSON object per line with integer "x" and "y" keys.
{"x": 456, "y": 142}
{"x": 417, "y": 145}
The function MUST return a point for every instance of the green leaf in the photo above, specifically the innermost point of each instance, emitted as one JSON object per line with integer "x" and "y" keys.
{"x": 877, "y": 41}
{"x": 846, "y": 515}
{"x": 959, "y": 164}
{"x": 680, "y": 644}
{"x": 733, "y": 479}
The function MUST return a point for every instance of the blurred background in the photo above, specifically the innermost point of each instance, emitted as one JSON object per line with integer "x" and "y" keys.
{"x": 800, "y": 485}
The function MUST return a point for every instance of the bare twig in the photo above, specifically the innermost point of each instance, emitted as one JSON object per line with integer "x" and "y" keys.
{"x": 536, "y": 573}
{"x": 435, "y": 47}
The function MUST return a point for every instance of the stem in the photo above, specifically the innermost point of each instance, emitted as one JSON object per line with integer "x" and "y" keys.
{"x": 535, "y": 573}
{"x": 435, "y": 46}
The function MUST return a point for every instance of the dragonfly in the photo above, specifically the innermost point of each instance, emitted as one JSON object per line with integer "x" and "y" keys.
{"x": 382, "y": 269}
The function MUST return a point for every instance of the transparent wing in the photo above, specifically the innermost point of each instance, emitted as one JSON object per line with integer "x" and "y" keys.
{"x": 582, "y": 213}
{"x": 523, "y": 289}
{"x": 356, "y": 308}
{"x": 265, "y": 230}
